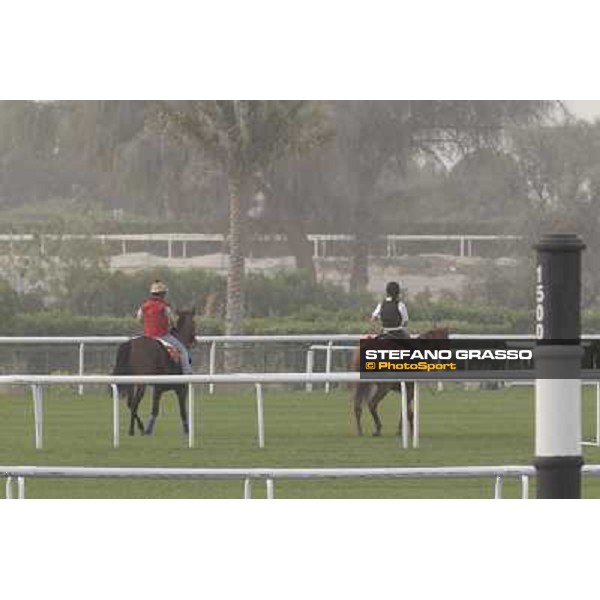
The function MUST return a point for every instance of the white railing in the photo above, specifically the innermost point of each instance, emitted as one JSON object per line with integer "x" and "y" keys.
{"x": 319, "y": 240}
{"x": 270, "y": 475}
{"x": 214, "y": 340}
{"x": 36, "y": 382}
{"x": 17, "y": 474}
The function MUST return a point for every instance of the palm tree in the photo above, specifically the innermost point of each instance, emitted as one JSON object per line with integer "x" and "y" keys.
{"x": 242, "y": 137}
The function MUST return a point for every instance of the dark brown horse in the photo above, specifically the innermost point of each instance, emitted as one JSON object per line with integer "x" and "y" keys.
{"x": 148, "y": 356}
{"x": 363, "y": 389}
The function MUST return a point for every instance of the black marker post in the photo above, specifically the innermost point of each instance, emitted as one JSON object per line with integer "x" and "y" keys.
{"x": 558, "y": 353}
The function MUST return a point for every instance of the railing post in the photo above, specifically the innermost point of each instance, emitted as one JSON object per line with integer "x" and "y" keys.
{"x": 116, "y": 415}
{"x": 38, "y": 415}
{"x": 498, "y": 488}
{"x": 81, "y": 364}
{"x": 247, "y": 489}
{"x": 416, "y": 419}
{"x": 328, "y": 364}
{"x": 597, "y": 413}
{"x": 212, "y": 364}
{"x": 270, "y": 489}
{"x": 310, "y": 362}
{"x": 191, "y": 416}
{"x": 404, "y": 415}
{"x": 260, "y": 415}
{"x": 20, "y": 488}
{"x": 524, "y": 487}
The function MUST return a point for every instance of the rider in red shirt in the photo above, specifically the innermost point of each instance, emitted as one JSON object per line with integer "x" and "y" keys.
{"x": 158, "y": 319}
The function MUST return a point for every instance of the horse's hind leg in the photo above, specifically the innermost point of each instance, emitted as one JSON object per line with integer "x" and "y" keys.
{"x": 374, "y": 401}
{"x": 181, "y": 397}
{"x": 156, "y": 393}
{"x": 134, "y": 403}
{"x": 130, "y": 400}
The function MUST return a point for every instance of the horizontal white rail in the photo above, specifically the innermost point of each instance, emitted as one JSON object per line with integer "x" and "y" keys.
{"x": 333, "y": 337}
{"x": 269, "y": 475}
{"x": 37, "y": 383}
{"x": 347, "y": 377}
{"x": 117, "y": 339}
{"x": 219, "y": 237}
{"x": 321, "y": 241}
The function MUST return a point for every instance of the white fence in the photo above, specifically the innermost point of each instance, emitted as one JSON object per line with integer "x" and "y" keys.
{"x": 36, "y": 382}
{"x": 327, "y": 345}
{"x": 16, "y": 474}
{"x": 270, "y": 475}
{"x": 249, "y": 475}
{"x": 213, "y": 340}
{"x": 322, "y": 242}
{"x": 308, "y": 379}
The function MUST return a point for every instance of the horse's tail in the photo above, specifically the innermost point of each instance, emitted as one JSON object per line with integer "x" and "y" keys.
{"x": 122, "y": 366}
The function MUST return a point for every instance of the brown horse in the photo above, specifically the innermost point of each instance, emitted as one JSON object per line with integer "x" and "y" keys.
{"x": 148, "y": 356}
{"x": 363, "y": 389}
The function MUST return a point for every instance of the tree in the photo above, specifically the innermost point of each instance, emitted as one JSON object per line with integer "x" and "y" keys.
{"x": 375, "y": 136}
{"x": 370, "y": 135}
{"x": 561, "y": 167}
{"x": 242, "y": 138}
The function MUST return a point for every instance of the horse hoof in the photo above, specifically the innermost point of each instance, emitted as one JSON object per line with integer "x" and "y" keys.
{"x": 377, "y": 434}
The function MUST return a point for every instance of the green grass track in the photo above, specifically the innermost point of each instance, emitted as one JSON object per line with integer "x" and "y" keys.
{"x": 458, "y": 427}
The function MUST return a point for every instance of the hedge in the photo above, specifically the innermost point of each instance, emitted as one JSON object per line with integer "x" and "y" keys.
{"x": 64, "y": 324}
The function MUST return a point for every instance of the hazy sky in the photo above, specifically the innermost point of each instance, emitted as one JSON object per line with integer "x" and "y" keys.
{"x": 586, "y": 109}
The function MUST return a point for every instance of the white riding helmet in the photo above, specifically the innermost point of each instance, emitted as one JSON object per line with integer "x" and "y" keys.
{"x": 158, "y": 287}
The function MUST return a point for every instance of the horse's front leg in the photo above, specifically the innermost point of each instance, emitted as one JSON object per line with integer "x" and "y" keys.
{"x": 156, "y": 394}
{"x": 181, "y": 392}
{"x": 381, "y": 390}
{"x": 360, "y": 392}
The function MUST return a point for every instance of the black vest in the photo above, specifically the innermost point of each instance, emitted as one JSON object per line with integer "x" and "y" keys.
{"x": 390, "y": 314}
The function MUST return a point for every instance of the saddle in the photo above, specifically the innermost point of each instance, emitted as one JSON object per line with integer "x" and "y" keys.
{"x": 172, "y": 351}
{"x": 398, "y": 334}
